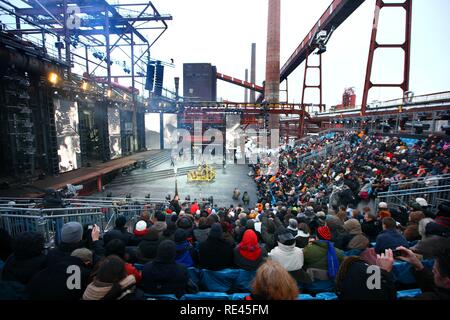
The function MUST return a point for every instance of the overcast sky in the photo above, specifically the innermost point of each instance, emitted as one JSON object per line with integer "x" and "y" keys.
{"x": 221, "y": 33}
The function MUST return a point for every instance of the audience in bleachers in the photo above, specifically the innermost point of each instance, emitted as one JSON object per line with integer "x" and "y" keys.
{"x": 315, "y": 221}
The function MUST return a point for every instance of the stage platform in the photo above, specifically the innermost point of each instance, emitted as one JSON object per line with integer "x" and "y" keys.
{"x": 79, "y": 176}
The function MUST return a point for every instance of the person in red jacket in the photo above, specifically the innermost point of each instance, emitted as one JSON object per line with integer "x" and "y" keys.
{"x": 194, "y": 207}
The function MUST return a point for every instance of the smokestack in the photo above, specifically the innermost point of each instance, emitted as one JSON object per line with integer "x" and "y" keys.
{"x": 272, "y": 89}
{"x": 253, "y": 73}
{"x": 246, "y": 90}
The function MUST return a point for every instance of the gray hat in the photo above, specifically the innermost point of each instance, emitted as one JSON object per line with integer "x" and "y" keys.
{"x": 72, "y": 232}
{"x": 84, "y": 254}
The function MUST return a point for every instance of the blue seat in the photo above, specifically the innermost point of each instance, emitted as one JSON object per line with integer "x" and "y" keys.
{"x": 149, "y": 296}
{"x": 194, "y": 274}
{"x": 206, "y": 296}
{"x": 243, "y": 281}
{"x": 318, "y": 286}
{"x": 305, "y": 297}
{"x": 402, "y": 271}
{"x": 218, "y": 281}
{"x": 327, "y": 296}
{"x": 238, "y": 296}
{"x": 408, "y": 293}
{"x": 139, "y": 266}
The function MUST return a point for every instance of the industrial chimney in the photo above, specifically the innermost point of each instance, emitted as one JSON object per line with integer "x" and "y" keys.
{"x": 272, "y": 88}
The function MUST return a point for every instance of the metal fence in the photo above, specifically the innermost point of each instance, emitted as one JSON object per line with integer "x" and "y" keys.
{"x": 434, "y": 195}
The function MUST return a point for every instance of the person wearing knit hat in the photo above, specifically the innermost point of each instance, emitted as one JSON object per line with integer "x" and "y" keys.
{"x": 248, "y": 254}
{"x": 71, "y": 232}
{"x": 141, "y": 229}
{"x": 324, "y": 233}
{"x": 322, "y": 255}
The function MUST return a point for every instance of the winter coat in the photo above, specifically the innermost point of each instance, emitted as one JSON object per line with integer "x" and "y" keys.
{"x": 316, "y": 256}
{"x": 147, "y": 248}
{"x": 97, "y": 290}
{"x": 201, "y": 235}
{"x": 184, "y": 256}
{"x": 390, "y": 239}
{"x": 215, "y": 254}
{"x": 51, "y": 283}
{"x": 289, "y": 256}
{"x": 65, "y": 249}
{"x": 23, "y": 270}
{"x": 164, "y": 278}
{"x": 5, "y": 245}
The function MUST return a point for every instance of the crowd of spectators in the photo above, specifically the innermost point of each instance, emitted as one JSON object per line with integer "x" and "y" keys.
{"x": 294, "y": 235}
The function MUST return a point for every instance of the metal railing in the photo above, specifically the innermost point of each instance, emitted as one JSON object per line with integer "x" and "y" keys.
{"x": 434, "y": 195}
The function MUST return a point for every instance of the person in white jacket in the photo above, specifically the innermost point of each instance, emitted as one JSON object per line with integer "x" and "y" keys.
{"x": 286, "y": 253}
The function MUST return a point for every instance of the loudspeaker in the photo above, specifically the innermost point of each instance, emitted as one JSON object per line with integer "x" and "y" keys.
{"x": 150, "y": 82}
{"x": 159, "y": 79}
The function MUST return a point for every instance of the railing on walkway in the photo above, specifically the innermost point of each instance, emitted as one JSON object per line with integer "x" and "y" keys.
{"x": 434, "y": 195}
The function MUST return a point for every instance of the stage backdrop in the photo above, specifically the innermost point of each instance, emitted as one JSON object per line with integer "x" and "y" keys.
{"x": 115, "y": 145}
{"x": 68, "y": 139}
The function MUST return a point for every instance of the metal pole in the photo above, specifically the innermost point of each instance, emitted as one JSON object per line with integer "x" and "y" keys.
{"x": 108, "y": 48}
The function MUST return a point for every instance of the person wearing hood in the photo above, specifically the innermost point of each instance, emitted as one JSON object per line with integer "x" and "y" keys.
{"x": 160, "y": 223}
{"x": 184, "y": 249}
{"x": 202, "y": 231}
{"x": 111, "y": 282}
{"x": 120, "y": 232}
{"x": 27, "y": 258}
{"x": 301, "y": 235}
{"x": 164, "y": 275}
{"x": 338, "y": 233}
{"x": 148, "y": 246}
{"x": 248, "y": 254}
{"x": 355, "y": 242}
{"x": 208, "y": 252}
{"x": 140, "y": 230}
{"x": 322, "y": 257}
{"x": 71, "y": 239}
{"x": 286, "y": 253}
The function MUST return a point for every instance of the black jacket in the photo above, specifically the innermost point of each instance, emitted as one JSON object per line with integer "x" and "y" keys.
{"x": 215, "y": 254}
{"x": 22, "y": 270}
{"x": 246, "y": 264}
{"x": 164, "y": 278}
{"x": 51, "y": 283}
{"x": 65, "y": 249}
{"x": 147, "y": 249}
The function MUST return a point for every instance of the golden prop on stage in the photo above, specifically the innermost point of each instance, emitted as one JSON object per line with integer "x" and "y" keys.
{"x": 202, "y": 173}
